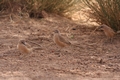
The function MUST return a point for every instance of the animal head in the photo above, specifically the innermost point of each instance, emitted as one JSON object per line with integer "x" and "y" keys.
{"x": 22, "y": 42}
{"x": 103, "y": 27}
{"x": 56, "y": 31}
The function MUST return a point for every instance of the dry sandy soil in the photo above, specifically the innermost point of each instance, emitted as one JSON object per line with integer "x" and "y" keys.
{"x": 90, "y": 57}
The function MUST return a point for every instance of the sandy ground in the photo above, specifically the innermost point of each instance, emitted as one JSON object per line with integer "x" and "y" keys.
{"x": 90, "y": 57}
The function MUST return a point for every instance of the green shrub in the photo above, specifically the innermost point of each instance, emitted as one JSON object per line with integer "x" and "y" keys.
{"x": 105, "y": 12}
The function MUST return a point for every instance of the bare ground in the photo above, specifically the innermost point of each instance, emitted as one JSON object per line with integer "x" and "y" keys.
{"x": 90, "y": 57}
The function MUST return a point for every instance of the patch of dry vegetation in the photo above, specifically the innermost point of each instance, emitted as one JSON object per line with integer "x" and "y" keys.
{"x": 105, "y": 12}
{"x": 35, "y": 7}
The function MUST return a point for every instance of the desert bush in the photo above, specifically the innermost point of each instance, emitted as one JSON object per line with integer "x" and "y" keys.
{"x": 52, "y": 6}
{"x": 105, "y": 12}
{"x": 35, "y": 7}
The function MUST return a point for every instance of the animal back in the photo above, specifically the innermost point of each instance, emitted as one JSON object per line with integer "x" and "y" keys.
{"x": 58, "y": 41}
{"x": 64, "y": 40}
{"x": 109, "y": 33}
{"x": 23, "y": 49}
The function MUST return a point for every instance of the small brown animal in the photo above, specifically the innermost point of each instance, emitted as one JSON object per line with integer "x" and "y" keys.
{"x": 59, "y": 40}
{"x": 21, "y": 46}
{"x": 108, "y": 31}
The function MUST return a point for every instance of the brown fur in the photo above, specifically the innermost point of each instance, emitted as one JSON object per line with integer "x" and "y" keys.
{"x": 108, "y": 31}
{"x": 22, "y": 47}
{"x": 59, "y": 40}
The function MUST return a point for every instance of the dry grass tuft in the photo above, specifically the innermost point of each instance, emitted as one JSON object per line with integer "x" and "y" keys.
{"x": 35, "y": 7}
{"x": 105, "y": 12}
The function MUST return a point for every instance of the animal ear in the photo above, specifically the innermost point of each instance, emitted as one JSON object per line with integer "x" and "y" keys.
{"x": 56, "y": 31}
{"x": 23, "y": 43}
{"x": 100, "y": 27}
